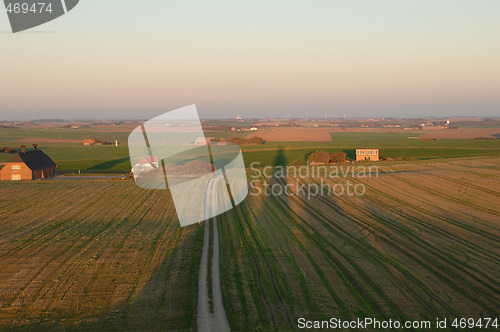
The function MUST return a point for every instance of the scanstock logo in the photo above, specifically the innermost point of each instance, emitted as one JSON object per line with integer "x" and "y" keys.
{"x": 27, "y": 14}
{"x": 205, "y": 177}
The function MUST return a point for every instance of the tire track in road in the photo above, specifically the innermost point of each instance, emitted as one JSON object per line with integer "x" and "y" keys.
{"x": 208, "y": 321}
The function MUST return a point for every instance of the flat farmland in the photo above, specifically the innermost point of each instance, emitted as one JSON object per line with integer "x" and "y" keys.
{"x": 422, "y": 242}
{"x": 293, "y": 134}
{"x": 63, "y": 146}
{"x": 54, "y": 136}
{"x": 463, "y": 133}
{"x": 94, "y": 255}
{"x": 391, "y": 144}
{"x": 321, "y": 134}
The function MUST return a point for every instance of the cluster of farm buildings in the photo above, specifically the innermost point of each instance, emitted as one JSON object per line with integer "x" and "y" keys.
{"x": 244, "y": 129}
{"x": 209, "y": 140}
{"x": 96, "y": 141}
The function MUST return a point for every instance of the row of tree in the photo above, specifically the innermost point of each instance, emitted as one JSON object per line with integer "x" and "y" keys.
{"x": 323, "y": 157}
{"x": 246, "y": 141}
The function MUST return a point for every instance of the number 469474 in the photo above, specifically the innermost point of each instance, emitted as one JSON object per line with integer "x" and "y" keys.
{"x": 25, "y": 8}
{"x": 463, "y": 323}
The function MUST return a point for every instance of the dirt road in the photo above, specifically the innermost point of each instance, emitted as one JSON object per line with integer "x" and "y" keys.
{"x": 215, "y": 319}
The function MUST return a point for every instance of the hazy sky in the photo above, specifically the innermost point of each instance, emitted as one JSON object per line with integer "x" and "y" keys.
{"x": 137, "y": 59}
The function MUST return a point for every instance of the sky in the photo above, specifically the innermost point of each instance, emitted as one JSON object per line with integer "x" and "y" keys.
{"x": 138, "y": 59}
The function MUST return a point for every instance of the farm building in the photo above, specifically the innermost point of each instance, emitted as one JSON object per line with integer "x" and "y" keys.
{"x": 146, "y": 164}
{"x": 95, "y": 141}
{"x": 30, "y": 165}
{"x": 204, "y": 140}
{"x": 367, "y": 154}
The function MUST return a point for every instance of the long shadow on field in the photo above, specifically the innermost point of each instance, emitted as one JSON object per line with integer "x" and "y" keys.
{"x": 108, "y": 165}
{"x": 280, "y": 159}
{"x": 270, "y": 305}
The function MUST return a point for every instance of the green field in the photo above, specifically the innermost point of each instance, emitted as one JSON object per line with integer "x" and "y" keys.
{"x": 9, "y": 136}
{"x": 72, "y": 156}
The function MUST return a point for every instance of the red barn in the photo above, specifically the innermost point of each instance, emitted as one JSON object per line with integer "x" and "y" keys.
{"x": 30, "y": 165}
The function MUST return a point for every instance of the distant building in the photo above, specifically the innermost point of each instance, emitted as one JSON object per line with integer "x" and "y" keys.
{"x": 204, "y": 140}
{"x": 30, "y": 165}
{"x": 254, "y": 129}
{"x": 145, "y": 164}
{"x": 95, "y": 141}
{"x": 367, "y": 154}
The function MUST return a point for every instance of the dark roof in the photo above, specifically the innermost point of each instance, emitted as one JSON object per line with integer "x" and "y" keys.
{"x": 35, "y": 160}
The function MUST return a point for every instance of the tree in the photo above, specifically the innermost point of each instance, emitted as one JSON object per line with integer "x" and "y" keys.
{"x": 319, "y": 157}
{"x": 338, "y": 157}
{"x": 322, "y": 157}
{"x": 244, "y": 141}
